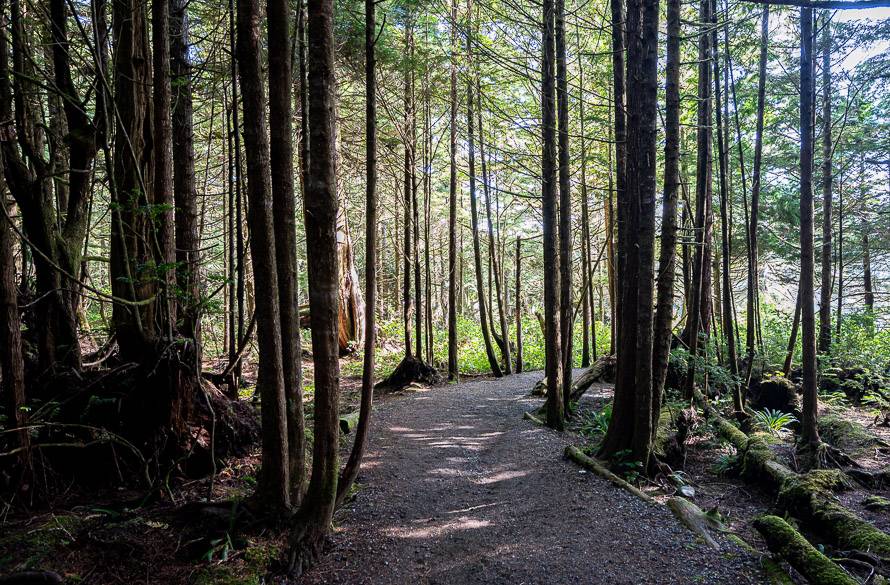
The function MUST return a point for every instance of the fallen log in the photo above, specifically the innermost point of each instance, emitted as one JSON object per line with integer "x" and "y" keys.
{"x": 808, "y": 496}
{"x": 601, "y": 470}
{"x": 782, "y": 539}
{"x": 694, "y": 519}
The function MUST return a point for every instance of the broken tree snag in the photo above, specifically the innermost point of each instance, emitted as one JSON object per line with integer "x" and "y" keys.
{"x": 410, "y": 370}
{"x": 788, "y": 543}
{"x": 809, "y": 497}
{"x": 351, "y": 321}
{"x": 695, "y": 520}
{"x": 601, "y": 470}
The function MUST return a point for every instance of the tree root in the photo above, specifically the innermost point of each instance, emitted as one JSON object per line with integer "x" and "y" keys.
{"x": 409, "y": 371}
{"x": 785, "y": 541}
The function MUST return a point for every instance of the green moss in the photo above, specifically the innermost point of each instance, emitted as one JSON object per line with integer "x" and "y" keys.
{"x": 810, "y": 497}
{"x": 38, "y": 543}
{"x": 252, "y": 571}
{"x": 847, "y": 435}
{"x": 876, "y": 503}
{"x": 784, "y": 540}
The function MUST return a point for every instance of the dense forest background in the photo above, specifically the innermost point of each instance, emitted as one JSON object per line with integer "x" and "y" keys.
{"x": 224, "y": 222}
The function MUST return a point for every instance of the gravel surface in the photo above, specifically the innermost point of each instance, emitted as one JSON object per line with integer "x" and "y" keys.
{"x": 458, "y": 488}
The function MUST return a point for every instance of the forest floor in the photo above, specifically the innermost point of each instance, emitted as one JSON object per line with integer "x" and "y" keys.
{"x": 458, "y": 488}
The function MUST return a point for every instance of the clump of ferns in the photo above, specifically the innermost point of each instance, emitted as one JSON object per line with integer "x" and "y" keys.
{"x": 773, "y": 421}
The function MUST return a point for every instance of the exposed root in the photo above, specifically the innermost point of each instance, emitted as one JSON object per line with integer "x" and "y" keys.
{"x": 409, "y": 371}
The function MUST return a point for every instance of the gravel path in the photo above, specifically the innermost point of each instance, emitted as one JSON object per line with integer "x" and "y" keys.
{"x": 458, "y": 488}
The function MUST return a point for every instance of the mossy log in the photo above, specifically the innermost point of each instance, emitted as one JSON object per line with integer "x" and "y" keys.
{"x": 533, "y": 418}
{"x": 695, "y": 520}
{"x": 348, "y": 422}
{"x": 809, "y": 497}
{"x": 775, "y": 574}
{"x": 783, "y": 540}
{"x": 601, "y": 470}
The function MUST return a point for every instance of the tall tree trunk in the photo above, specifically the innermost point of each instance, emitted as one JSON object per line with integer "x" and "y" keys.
{"x": 613, "y": 224}
{"x": 518, "y": 295}
{"x": 840, "y": 258}
{"x": 12, "y": 367}
{"x": 751, "y": 323}
{"x": 664, "y": 316}
{"x": 161, "y": 142}
{"x": 474, "y": 214}
{"x": 57, "y": 242}
{"x": 407, "y": 302}
{"x": 827, "y": 179}
{"x": 723, "y": 155}
{"x": 552, "y": 341}
{"x": 634, "y": 409}
{"x": 586, "y": 268}
{"x": 185, "y": 194}
{"x": 697, "y": 319}
{"x": 565, "y": 204}
{"x": 274, "y": 485}
{"x": 351, "y": 469}
{"x": 321, "y": 203}
{"x": 285, "y": 226}
{"x": 866, "y": 272}
{"x": 452, "y": 203}
{"x": 792, "y": 338}
{"x": 133, "y": 250}
{"x": 494, "y": 260}
{"x": 809, "y": 432}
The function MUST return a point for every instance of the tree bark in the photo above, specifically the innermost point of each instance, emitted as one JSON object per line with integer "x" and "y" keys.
{"x": 321, "y": 207}
{"x": 723, "y": 155}
{"x": 827, "y": 180}
{"x": 453, "y": 372}
{"x": 809, "y": 431}
{"x": 701, "y": 289}
{"x": 285, "y": 227}
{"x": 184, "y": 191}
{"x": 351, "y": 469}
{"x": 274, "y": 485}
{"x": 552, "y": 342}
{"x": 407, "y": 302}
{"x": 518, "y": 295}
{"x": 565, "y": 205}
{"x": 474, "y": 215}
{"x": 133, "y": 257}
{"x": 752, "y": 323}
{"x": 668, "y": 253}
{"x": 12, "y": 366}
{"x": 161, "y": 142}
{"x": 495, "y": 264}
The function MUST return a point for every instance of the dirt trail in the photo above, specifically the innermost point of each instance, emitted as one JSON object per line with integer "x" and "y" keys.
{"x": 458, "y": 488}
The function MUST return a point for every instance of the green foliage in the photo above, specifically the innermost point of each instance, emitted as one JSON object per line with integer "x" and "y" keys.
{"x": 596, "y": 423}
{"x": 773, "y": 421}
